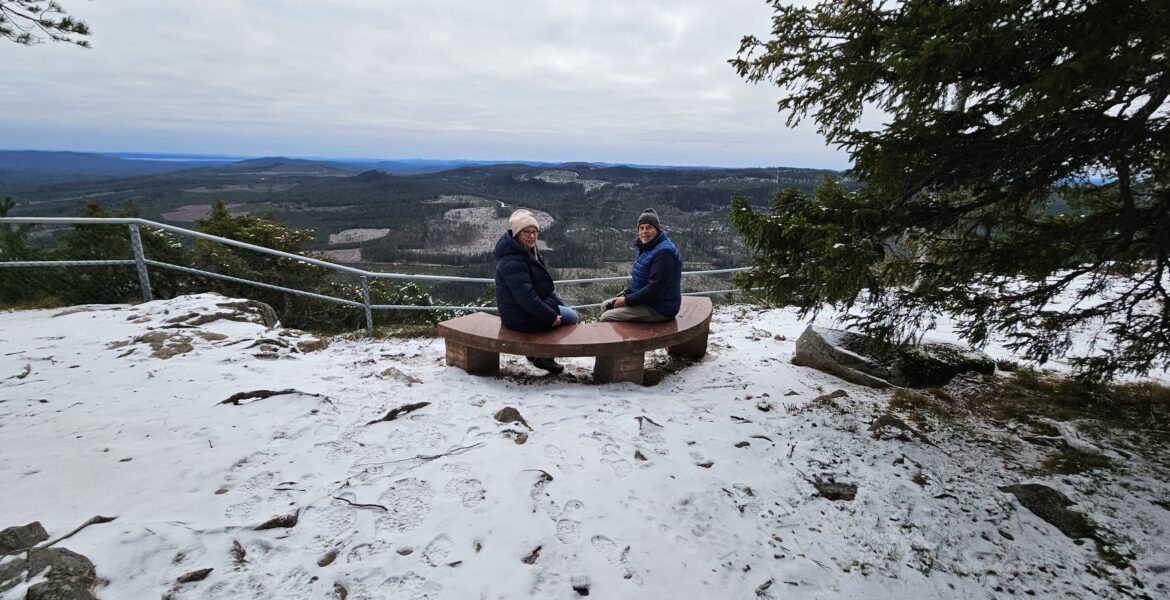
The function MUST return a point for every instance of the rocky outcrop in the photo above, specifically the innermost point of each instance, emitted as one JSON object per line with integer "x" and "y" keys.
{"x": 182, "y": 325}
{"x": 68, "y": 575}
{"x": 858, "y": 359}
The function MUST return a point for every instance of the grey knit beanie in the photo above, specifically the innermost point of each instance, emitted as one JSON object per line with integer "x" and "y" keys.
{"x": 651, "y": 217}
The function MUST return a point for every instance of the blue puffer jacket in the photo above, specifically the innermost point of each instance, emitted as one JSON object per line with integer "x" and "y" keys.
{"x": 656, "y": 277}
{"x": 525, "y": 295}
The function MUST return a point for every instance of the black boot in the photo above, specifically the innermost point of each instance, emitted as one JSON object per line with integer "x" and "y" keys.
{"x": 548, "y": 364}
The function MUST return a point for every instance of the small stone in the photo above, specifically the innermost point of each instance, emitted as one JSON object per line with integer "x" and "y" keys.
{"x": 281, "y": 522}
{"x": 198, "y": 575}
{"x": 511, "y": 415}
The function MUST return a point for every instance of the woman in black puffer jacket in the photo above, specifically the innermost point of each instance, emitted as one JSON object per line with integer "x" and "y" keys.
{"x": 525, "y": 294}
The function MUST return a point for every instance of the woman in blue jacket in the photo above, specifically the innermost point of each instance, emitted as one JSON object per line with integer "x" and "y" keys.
{"x": 525, "y": 295}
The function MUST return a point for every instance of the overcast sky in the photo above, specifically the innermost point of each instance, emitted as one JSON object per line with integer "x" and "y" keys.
{"x": 629, "y": 81}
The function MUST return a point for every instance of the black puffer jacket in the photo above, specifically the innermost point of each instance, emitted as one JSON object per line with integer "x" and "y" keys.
{"x": 525, "y": 294}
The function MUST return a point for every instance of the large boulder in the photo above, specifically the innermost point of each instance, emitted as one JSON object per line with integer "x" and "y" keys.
{"x": 825, "y": 350}
{"x": 860, "y": 359}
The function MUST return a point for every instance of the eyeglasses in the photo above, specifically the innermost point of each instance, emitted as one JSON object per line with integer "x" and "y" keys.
{"x": 531, "y": 232}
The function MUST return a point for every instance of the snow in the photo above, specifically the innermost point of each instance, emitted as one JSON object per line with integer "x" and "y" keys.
{"x": 350, "y": 236}
{"x": 92, "y": 424}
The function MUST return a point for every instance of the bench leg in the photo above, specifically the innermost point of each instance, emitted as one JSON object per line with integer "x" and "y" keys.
{"x": 695, "y": 347}
{"x": 472, "y": 360}
{"x": 622, "y": 367}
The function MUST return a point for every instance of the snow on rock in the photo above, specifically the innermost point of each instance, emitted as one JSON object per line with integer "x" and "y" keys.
{"x": 730, "y": 478}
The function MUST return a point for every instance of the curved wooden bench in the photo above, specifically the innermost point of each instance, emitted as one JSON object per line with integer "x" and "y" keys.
{"x": 475, "y": 341}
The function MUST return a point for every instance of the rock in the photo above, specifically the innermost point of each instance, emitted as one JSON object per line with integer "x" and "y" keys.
{"x": 17, "y": 539}
{"x": 396, "y": 373}
{"x": 511, "y": 415}
{"x": 934, "y": 364}
{"x": 822, "y": 350}
{"x": 305, "y": 341}
{"x": 166, "y": 344}
{"x": 312, "y": 344}
{"x": 836, "y": 491}
{"x": 11, "y": 573}
{"x": 890, "y": 426}
{"x": 1052, "y": 506}
{"x": 198, "y": 575}
{"x": 254, "y": 311}
{"x": 238, "y": 552}
{"x": 281, "y": 522}
{"x": 831, "y": 396}
{"x": 859, "y": 359}
{"x": 69, "y": 576}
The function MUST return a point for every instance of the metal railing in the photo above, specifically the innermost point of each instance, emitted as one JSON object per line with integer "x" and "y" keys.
{"x": 141, "y": 262}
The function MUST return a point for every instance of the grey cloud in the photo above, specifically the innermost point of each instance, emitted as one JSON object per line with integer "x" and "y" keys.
{"x": 602, "y": 80}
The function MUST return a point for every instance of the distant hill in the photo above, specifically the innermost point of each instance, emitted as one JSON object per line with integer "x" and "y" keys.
{"x": 23, "y": 168}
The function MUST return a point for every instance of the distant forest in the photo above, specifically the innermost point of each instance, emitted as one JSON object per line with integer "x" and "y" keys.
{"x": 594, "y": 208}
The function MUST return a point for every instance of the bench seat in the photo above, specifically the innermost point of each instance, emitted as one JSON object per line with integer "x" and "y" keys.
{"x": 475, "y": 341}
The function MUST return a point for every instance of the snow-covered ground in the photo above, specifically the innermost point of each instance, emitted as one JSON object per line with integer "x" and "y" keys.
{"x": 698, "y": 487}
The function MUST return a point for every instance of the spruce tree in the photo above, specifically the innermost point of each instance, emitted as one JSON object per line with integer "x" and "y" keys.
{"x": 1018, "y": 183}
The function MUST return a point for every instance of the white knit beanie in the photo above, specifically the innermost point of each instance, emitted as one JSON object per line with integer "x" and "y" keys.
{"x": 521, "y": 219}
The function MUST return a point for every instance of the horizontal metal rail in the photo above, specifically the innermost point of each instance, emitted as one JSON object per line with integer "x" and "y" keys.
{"x": 298, "y": 257}
{"x": 65, "y": 263}
{"x": 269, "y": 286}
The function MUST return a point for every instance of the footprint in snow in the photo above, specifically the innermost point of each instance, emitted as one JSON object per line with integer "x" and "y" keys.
{"x": 456, "y": 468}
{"x": 568, "y": 520}
{"x": 614, "y": 555}
{"x": 557, "y": 456}
{"x": 411, "y": 501}
{"x": 409, "y": 586}
{"x": 651, "y": 434}
{"x": 330, "y": 527}
{"x": 367, "y": 551}
{"x": 697, "y": 454}
{"x": 469, "y": 491}
{"x": 621, "y": 467}
{"x": 252, "y": 494}
{"x": 437, "y": 553}
{"x": 568, "y": 531}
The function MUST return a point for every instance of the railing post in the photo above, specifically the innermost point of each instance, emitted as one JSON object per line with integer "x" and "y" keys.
{"x": 140, "y": 261}
{"x": 366, "y": 301}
